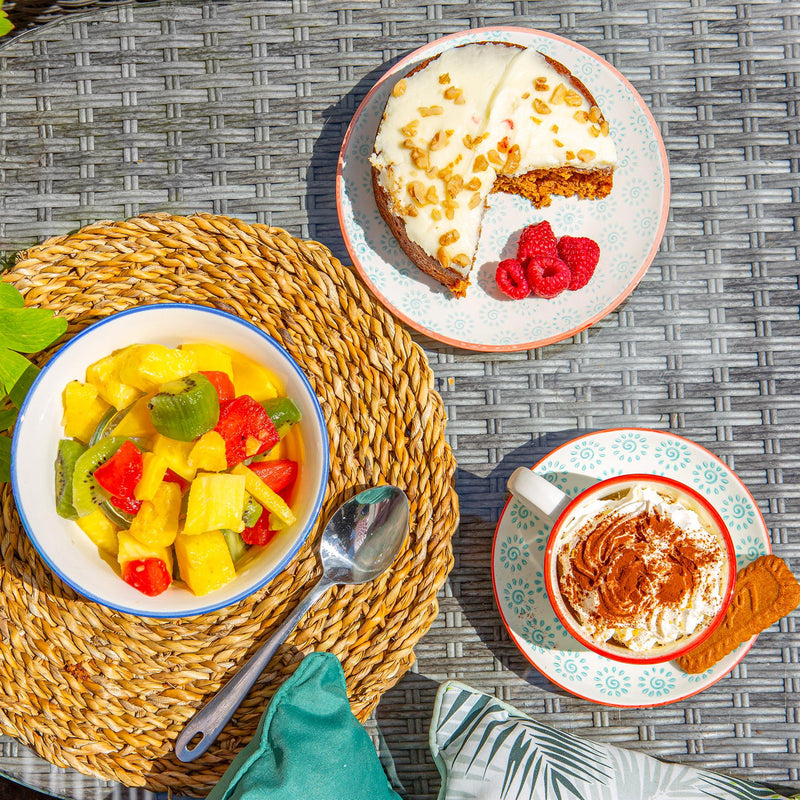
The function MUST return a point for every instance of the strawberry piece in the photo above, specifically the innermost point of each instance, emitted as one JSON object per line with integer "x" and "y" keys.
{"x": 260, "y": 533}
{"x": 537, "y": 240}
{"x": 130, "y": 505}
{"x": 278, "y": 474}
{"x": 581, "y": 255}
{"x": 222, "y": 383}
{"x": 173, "y": 477}
{"x": 149, "y": 575}
{"x": 511, "y": 280}
{"x": 548, "y": 276}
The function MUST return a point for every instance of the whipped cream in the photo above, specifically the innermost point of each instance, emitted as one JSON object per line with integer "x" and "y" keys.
{"x": 641, "y": 570}
{"x": 484, "y": 93}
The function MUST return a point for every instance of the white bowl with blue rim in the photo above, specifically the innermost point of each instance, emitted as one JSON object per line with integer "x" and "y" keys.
{"x": 65, "y": 547}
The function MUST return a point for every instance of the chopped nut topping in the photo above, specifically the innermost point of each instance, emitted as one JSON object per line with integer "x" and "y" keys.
{"x": 399, "y": 88}
{"x": 444, "y": 174}
{"x": 526, "y": 95}
{"x": 473, "y": 185}
{"x": 431, "y": 172}
{"x": 468, "y": 141}
{"x": 594, "y": 114}
{"x": 453, "y": 93}
{"x": 503, "y": 145}
{"x": 540, "y": 107}
{"x": 557, "y": 143}
{"x": 440, "y": 140}
{"x": 411, "y": 211}
{"x": 540, "y": 84}
{"x": 570, "y": 155}
{"x": 454, "y": 185}
{"x": 536, "y": 120}
{"x": 432, "y": 196}
{"x": 512, "y": 161}
{"x": 461, "y": 259}
{"x": 582, "y": 116}
{"x": 430, "y": 111}
{"x": 460, "y": 100}
{"x": 449, "y": 213}
{"x": 559, "y": 94}
{"x": 409, "y": 143}
{"x": 444, "y": 78}
{"x": 594, "y": 131}
{"x": 494, "y": 157}
{"x": 554, "y": 128}
{"x": 480, "y": 163}
{"x": 436, "y": 215}
{"x": 474, "y": 201}
{"x": 573, "y": 98}
{"x": 444, "y": 259}
{"x": 586, "y": 155}
{"x": 449, "y": 238}
{"x": 410, "y": 129}
{"x": 420, "y": 158}
{"x": 417, "y": 191}
{"x": 604, "y": 128}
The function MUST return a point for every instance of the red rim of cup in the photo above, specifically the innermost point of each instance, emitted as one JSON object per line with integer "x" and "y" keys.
{"x": 657, "y": 655}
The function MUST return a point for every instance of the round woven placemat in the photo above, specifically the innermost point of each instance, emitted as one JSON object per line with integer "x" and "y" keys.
{"x": 107, "y": 693}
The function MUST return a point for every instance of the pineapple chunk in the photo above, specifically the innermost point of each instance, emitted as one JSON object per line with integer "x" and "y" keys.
{"x": 83, "y": 410}
{"x": 209, "y": 453}
{"x": 271, "y": 501}
{"x": 147, "y": 366}
{"x": 250, "y": 378}
{"x": 137, "y": 421}
{"x": 204, "y": 561}
{"x": 210, "y": 359}
{"x": 131, "y": 549}
{"x": 176, "y": 454}
{"x": 99, "y": 528}
{"x": 215, "y": 501}
{"x": 156, "y": 523}
{"x": 104, "y": 376}
{"x": 154, "y": 467}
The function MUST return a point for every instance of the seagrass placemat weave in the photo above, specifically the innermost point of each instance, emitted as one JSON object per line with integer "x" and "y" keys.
{"x": 107, "y": 693}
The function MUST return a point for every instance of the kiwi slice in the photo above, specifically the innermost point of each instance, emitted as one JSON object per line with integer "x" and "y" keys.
{"x": 86, "y": 493}
{"x": 186, "y": 408}
{"x": 283, "y": 413}
{"x": 252, "y": 512}
{"x": 69, "y": 451}
{"x": 236, "y": 545}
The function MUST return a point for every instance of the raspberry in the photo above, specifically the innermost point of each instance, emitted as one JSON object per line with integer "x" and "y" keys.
{"x": 581, "y": 255}
{"x": 548, "y": 276}
{"x": 511, "y": 280}
{"x": 537, "y": 240}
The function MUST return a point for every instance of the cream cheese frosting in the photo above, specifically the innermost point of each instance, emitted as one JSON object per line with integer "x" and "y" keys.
{"x": 475, "y": 112}
{"x": 641, "y": 570}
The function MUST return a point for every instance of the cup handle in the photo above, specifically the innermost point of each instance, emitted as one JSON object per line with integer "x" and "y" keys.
{"x": 537, "y": 492}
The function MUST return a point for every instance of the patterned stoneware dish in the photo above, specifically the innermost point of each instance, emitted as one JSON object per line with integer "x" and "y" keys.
{"x": 518, "y": 561}
{"x": 628, "y": 225}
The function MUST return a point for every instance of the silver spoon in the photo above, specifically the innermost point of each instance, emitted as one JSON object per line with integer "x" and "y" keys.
{"x": 359, "y": 542}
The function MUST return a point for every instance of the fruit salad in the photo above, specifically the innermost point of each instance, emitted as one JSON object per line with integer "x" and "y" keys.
{"x": 178, "y": 463}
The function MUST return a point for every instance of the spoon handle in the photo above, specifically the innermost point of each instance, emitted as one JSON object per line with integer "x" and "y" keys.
{"x": 214, "y": 715}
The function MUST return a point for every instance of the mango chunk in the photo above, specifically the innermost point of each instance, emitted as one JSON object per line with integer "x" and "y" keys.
{"x": 252, "y": 379}
{"x": 156, "y": 522}
{"x": 83, "y": 410}
{"x": 137, "y": 421}
{"x": 204, "y": 561}
{"x": 105, "y": 377}
{"x": 99, "y": 528}
{"x": 176, "y": 454}
{"x": 147, "y": 366}
{"x": 209, "y": 358}
{"x": 208, "y": 453}
{"x": 131, "y": 549}
{"x": 154, "y": 467}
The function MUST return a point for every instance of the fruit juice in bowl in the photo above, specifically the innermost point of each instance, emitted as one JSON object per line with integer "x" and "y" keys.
{"x": 189, "y": 457}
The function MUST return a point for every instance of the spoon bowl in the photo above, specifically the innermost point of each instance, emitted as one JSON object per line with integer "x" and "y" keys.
{"x": 359, "y": 542}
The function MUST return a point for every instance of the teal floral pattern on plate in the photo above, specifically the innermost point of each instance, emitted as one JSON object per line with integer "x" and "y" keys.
{"x": 526, "y": 609}
{"x": 514, "y": 553}
{"x": 485, "y": 318}
{"x": 523, "y": 517}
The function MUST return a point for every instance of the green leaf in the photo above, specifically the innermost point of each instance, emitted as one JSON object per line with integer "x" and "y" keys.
{"x": 12, "y": 367}
{"x": 5, "y": 459}
{"x": 10, "y": 297}
{"x": 5, "y": 27}
{"x": 20, "y": 389}
{"x": 29, "y": 330}
{"x": 8, "y": 416}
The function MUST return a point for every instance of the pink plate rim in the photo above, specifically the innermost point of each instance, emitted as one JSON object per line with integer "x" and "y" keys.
{"x": 501, "y": 348}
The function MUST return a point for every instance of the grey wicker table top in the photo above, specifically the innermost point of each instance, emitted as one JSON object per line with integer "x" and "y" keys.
{"x": 259, "y": 95}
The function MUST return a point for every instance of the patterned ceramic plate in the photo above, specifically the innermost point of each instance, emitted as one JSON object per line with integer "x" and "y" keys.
{"x": 518, "y": 557}
{"x": 628, "y": 225}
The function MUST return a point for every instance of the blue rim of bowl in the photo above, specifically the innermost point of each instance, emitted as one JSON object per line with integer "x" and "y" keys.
{"x": 276, "y": 346}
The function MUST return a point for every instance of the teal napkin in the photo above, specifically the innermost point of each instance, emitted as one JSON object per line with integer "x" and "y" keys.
{"x": 308, "y": 745}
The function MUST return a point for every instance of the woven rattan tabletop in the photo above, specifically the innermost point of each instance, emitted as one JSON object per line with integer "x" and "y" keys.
{"x": 240, "y": 108}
